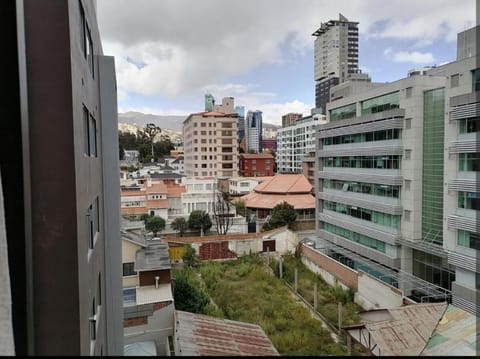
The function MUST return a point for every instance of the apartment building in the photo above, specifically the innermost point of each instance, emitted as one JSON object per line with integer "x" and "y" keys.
{"x": 256, "y": 164}
{"x": 210, "y": 142}
{"x": 396, "y": 180}
{"x": 290, "y": 119}
{"x": 335, "y": 57}
{"x": 296, "y": 141}
{"x": 60, "y": 180}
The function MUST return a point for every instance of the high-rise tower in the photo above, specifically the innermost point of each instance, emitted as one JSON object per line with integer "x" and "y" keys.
{"x": 335, "y": 57}
{"x": 253, "y": 131}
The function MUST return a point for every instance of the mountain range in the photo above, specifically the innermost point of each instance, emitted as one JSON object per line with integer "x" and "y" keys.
{"x": 171, "y": 125}
{"x": 168, "y": 122}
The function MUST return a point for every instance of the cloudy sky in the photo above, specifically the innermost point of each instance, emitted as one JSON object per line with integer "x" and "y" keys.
{"x": 169, "y": 53}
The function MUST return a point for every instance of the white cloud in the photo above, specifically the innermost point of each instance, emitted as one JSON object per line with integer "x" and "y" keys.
{"x": 415, "y": 57}
{"x": 188, "y": 44}
{"x": 273, "y": 112}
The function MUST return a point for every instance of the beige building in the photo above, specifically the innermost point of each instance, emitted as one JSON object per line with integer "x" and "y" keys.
{"x": 210, "y": 142}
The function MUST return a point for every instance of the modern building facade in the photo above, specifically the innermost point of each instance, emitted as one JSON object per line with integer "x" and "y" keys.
{"x": 296, "y": 141}
{"x": 240, "y": 110}
{"x": 253, "y": 131}
{"x": 335, "y": 57}
{"x": 210, "y": 142}
{"x": 396, "y": 180}
{"x": 60, "y": 180}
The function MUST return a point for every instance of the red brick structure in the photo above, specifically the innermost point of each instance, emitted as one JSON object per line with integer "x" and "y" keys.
{"x": 216, "y": 251}
{"x": 256, "y": 164}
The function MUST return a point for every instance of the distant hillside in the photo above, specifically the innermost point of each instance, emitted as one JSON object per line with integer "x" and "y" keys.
{"x": 170, "y": 125}
{"x": 174, "y": 136}
{"x": 173, "y": 123}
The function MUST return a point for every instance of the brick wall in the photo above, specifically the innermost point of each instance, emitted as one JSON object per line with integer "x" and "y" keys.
{"x": 216, "y": 251}
{"x": 133, "y": 322}
{"x": 158, "y": 306}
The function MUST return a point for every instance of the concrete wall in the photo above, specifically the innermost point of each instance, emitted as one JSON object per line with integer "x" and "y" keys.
{"x": 370, "y": 293}
{"x": 344, "y": 274}
{"x": 149, "y": 322}
{"x": 240, "y": 244}
{"x": 373, "y": 294}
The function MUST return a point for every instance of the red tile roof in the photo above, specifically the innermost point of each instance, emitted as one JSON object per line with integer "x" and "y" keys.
{"x": 286, "y": 184}
{"x": 268, "y": 201}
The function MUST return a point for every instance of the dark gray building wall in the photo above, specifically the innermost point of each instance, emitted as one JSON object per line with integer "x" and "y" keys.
{"x": 111, "y": 190}
{"x": 51, "y": 182}
{"x": 11, "y": 166}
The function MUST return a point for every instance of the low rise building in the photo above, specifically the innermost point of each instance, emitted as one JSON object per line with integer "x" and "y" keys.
{"x": 256, "y": 164}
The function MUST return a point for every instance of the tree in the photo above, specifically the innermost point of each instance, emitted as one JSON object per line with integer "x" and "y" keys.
{"x": 199, "y": 220}
{"x": 155, "y": 224}
{"x": 282, "y": 214}
{"x": 221, "y": 211}
{"x": 147, "y": 136}
{"x": 144, "y": 217}
{"x": 180, "y": 224}
{"x": 187, "y": 296}
{"x": 190, "y": 257}
{"x": 241, "y": 208}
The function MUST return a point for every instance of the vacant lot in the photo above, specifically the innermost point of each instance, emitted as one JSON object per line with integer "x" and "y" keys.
{"x": 246, "y": 290}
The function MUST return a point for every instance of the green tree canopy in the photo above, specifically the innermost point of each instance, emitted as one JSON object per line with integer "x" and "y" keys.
{"x": 180, "y": 224}
{"x": 155, "y": 224}
{"x": 282, "y": 214}
{"x": 187, "y": 296}
{"x": 190, "y": 257}
{"x": 199, "y": 220}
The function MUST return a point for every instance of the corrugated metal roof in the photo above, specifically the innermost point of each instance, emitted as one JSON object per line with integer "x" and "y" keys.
{"x": 153, "y": 257}
{"x": 406, "y": 330}
{"x": 203, "y": 335}
{"x": 146, "y": 348}
{"x": 455, "y": 335}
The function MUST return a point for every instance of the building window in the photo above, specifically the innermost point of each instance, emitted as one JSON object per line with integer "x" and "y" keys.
{"x": 469, "y": 200}
{"x": 99, "y": 289}
{"x": 90, "y": 227}
{"x": 476, "y": 80}
{"x": 469, "y": 125}
{"x": 83, "y": 34}
{"x": 355, "y": 237}
{"x": 93, "y": 321}
{"x": 469, "y": 161}
{"x": 408, "y": 154}
{"x": 128, "y": 269}
{"x": 468, "y": 239}
{"x": 89, "y": 47}
{"x": 90, "y": 133}
{"x": 408, "y": 123}
{"x": 408, "y": 184}
{"x": 381, "y": 103}
{"x": 408, "y": 92}
{"x": 86, "y": 39}
{"x": 454, "y": 80}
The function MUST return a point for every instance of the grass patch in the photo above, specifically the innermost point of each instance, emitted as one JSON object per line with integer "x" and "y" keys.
{"x": 245, "y": 290}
